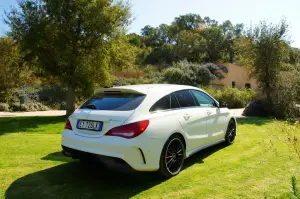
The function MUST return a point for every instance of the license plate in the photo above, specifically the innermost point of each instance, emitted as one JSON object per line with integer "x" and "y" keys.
{"x": 89, "y": 125}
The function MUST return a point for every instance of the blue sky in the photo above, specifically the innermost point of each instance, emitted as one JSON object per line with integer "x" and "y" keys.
{"x": 155, "y": 12}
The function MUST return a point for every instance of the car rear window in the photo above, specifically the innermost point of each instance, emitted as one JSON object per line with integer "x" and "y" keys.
{"x": 162, "y": 104}
{"x": 114, "y": 101}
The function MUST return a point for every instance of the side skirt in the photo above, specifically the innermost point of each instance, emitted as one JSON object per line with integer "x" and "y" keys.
{"x": 188, "y": 154}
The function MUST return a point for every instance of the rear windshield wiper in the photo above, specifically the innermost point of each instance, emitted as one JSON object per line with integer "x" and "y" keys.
{"x": 89, "y": 106}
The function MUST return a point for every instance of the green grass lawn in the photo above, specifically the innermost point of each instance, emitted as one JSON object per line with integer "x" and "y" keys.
{"x": 31, "y": 166}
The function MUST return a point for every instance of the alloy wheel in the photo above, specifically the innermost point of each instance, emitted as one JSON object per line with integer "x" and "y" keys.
{"x": 174, "y": 156}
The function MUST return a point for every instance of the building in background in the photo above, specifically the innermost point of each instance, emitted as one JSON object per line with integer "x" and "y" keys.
{"x": 236, "y": 77}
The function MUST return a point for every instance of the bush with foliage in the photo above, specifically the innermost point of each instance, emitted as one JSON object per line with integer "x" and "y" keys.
{"x": 193, "y": 74}
{"x": 28, "y": 107}
{"x": 257, "y": 108}
{"x": 129, "y": 81}
{"x": 4, "y": 107}
{"x": 234, "y": 97}
{"x": 285, "y": 98}
{"x": 154, "y": 74}
{"x": 50, "y": 96}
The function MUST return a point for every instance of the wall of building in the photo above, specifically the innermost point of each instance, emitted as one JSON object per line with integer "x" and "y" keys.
{"x": 237, "y": 74}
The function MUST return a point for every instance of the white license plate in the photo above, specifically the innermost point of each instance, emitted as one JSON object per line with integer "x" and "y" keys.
{"x": 89, "y": 125}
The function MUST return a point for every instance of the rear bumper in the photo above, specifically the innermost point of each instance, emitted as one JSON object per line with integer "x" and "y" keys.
{"x": 141, "y": 153}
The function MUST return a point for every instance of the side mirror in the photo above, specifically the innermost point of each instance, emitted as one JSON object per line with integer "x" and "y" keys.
{"x": 222, "y": 105}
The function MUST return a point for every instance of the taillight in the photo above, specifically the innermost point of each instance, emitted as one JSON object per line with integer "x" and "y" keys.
{"x": 68, "y": 125}
{"x": 129, "y": 130}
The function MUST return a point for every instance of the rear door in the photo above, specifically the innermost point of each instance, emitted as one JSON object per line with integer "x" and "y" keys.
{"x": 192, "y": 119}
{"x": 109, "y": 109}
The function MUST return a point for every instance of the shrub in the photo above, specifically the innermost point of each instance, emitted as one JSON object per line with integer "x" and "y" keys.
{"x": 153, "y": 74}
{"x": 285, "y": 98}
{"x": 257, "y": 108}
{"x": 4, "y": 107}
{"x": 234, "y": 97}
{"x": 29, "y": 107}
{"x": 17, "y": 107}
{"x": 192, "y": 74}
{"x": 130, "y": 81}
{"x": 50, "y": 96}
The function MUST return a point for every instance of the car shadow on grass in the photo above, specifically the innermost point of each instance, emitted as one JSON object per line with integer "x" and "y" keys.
{"x": 74, "y": 180}
{"x": 56, "y": 156}
{"x": 27, "y": 124}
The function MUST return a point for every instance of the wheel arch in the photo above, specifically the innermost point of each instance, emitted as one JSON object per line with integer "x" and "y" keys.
{"x": 181, "y": 136}
{"x": 234, "y": 121}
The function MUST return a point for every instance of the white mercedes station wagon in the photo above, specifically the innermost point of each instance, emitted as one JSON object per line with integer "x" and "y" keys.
{"x": 150, "y": 127}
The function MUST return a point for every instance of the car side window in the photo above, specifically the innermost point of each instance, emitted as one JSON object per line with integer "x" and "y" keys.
{"x": 174, "y": 102}
{"x": 185, "y": 98}
{"x": 203, "y": 99}
{"x": 162, "y": 104}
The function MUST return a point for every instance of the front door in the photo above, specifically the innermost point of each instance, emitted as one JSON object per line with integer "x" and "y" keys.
{"x": 192, "y": 119}
{"x": 214, "y": 118}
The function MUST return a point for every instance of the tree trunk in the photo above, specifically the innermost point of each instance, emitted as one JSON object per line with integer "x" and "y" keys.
{"x": 269, "y": 100}
{"x": 70, "y": 99}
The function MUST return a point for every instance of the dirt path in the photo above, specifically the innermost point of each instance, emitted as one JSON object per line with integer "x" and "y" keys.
{"x": 37, "y": 113}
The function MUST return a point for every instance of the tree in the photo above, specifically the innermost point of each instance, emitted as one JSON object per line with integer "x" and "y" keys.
{"x": 164, "y": 34}
{"x": 231, "y": 32}
{"x": 186, "y": 22}
{"x": 214, "y": 43}
{"x": 210, "y": 22}
{"x": 134, "y": 39}
{"x": 69, "y": 39}
{"x": 191, "y": 46}
{"x": 161, "y": 55}
{"x": 156, "y": 37}
{"x": 12, "y": 68}
{"x": 268, "y": 53}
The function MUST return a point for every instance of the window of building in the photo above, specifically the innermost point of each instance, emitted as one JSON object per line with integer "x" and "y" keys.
{"x": 248, "y": 86}
{"x": 233, "y": 84}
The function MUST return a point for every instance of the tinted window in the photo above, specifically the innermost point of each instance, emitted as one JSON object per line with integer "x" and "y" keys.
{"x": 203, "y": 99}
{"x": 114, "y": 101}
{"x": 185, "y": 98}
{"x": 174, "y": 102}
{"x": 162, "y": 104}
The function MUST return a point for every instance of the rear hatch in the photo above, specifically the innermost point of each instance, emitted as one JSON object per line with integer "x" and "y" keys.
{"x": 108, "y": 107}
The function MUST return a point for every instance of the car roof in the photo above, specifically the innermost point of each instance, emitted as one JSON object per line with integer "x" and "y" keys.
{"x": 145, "y": 88}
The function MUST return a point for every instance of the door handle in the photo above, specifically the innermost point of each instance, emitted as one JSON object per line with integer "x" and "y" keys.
{"x": 209, "y": 112}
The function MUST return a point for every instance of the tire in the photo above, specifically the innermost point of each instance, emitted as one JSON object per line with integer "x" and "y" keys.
{"x": 230, "y": 133}
{"x": 172, "y": 157}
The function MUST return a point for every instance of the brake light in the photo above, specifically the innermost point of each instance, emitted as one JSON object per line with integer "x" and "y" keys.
{"x": 129, "y": 130}
{"x": 68, "y": 125}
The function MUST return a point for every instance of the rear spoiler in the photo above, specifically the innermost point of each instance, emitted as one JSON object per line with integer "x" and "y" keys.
{"x": 119, "y": 90}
